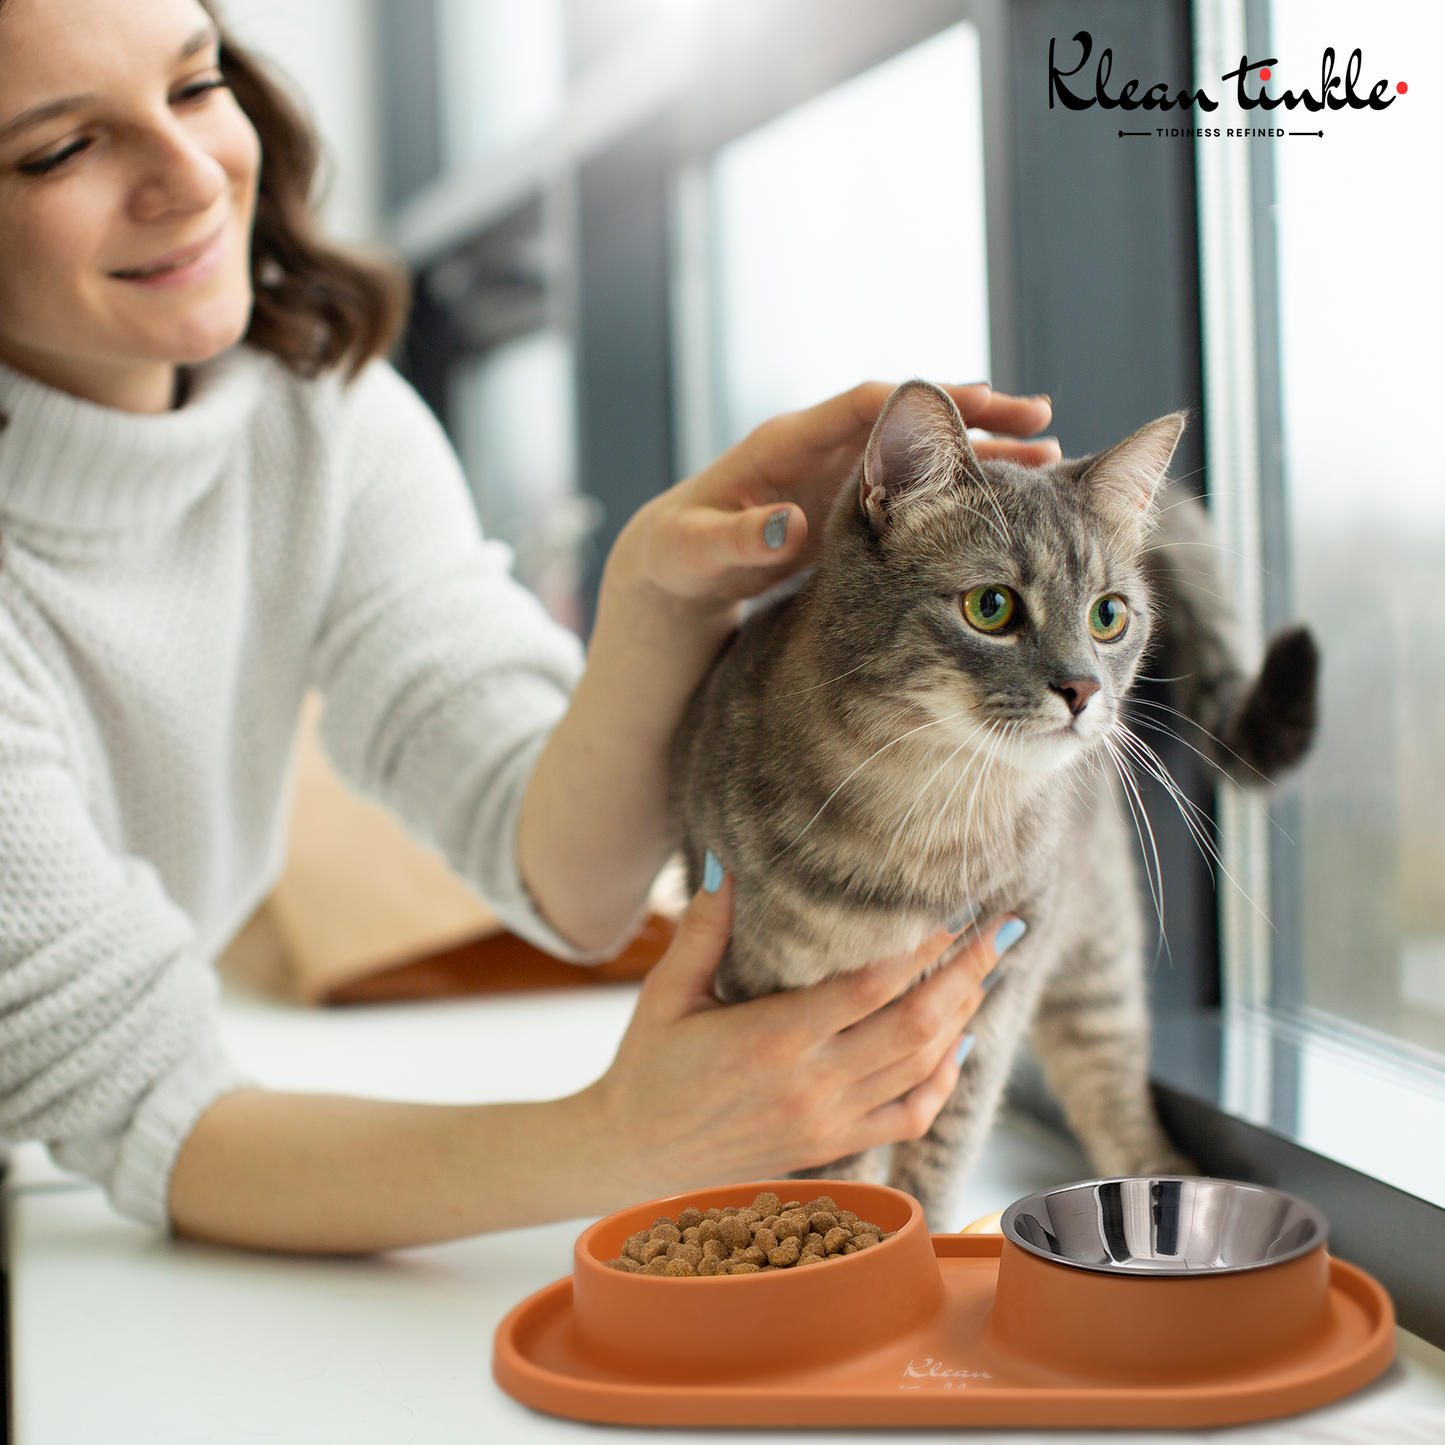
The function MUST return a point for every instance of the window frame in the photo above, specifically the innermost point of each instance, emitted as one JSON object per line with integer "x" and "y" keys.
{"x": 1080, "y": 227}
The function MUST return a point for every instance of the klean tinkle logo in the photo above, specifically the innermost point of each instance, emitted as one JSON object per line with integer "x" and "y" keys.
{"x": 1336, "y": 92}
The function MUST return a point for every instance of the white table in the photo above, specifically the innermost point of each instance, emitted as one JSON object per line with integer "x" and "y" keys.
{"x": 122, "y": 1336}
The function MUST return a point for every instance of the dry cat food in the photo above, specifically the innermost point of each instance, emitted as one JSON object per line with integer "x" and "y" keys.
{"x": 768, "y": 1234}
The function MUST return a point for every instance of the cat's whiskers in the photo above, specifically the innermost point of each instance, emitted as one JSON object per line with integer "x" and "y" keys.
{"x": 1200, "y": 823}
{"x": 918, "y": 798}
{"x": 1152, "y": 764}
{"x": 932, "y": 723}
{"x": 1195, "y": 818}
{"x": 1069, "y": 774}
{"x": 1142, "y": 823}
{"x": 1001, "y": 731}
{"x": 983, "y": 758}
{"x": 989, "y": 492}
{"x": 1003, "y": 537}
{"x": 1213, "y": 737}
{"x": 1184, "y": 499}
{"x": 1168, "y": 732}
{"x": 921, "y": 857}
{"x": 778, "y": 697}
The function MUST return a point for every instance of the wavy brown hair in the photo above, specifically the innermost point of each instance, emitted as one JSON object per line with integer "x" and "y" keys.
{"x": 317, "y": 306}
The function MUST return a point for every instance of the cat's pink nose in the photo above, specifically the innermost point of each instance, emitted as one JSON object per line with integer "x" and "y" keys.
{"x": 1076, "y": 692}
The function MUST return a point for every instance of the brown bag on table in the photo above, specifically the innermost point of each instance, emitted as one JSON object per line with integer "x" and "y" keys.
{"x": 365, "y": 914}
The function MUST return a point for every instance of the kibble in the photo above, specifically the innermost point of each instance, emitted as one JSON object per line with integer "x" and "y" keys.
{"x": 781, "y": 1255}
{"x": 735, "y": 1234}
{"x": 765, "y": 1236}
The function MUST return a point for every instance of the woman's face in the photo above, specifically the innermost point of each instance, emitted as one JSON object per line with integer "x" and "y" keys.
{"x": 127, "y": 187}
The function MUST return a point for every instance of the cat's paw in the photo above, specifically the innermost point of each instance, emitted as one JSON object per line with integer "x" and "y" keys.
{"x": 1148, "y": 1152}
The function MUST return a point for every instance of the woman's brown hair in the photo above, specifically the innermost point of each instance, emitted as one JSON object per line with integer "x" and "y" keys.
{"x": 316, "y": 307}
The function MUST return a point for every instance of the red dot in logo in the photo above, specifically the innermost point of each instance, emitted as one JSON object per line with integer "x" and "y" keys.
{"x": 1401, "y": 87}
{"x": 1264, "y": 73}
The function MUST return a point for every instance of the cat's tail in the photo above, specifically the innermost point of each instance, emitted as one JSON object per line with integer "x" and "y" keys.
{"x": 1251, "y": 728}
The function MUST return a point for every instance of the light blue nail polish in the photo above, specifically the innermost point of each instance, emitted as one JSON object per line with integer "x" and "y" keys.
{"x": 965, "y": 1048}
{"x": 712, "y": 873}
{"x": 991, "y": 977}
{"x": 1009, "y": 933}
{"x": 775, "y": 531}
{"x": 962, "y": 919}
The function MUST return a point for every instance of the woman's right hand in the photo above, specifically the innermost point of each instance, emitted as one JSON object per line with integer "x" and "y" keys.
{"x": 700, "y": 1093}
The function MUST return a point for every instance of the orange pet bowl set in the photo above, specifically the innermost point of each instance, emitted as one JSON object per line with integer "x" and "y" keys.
{"x": 1134, "y": 1302}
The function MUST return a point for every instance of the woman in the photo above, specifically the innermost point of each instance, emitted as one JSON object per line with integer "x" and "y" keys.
{"x": 195, "y": 531}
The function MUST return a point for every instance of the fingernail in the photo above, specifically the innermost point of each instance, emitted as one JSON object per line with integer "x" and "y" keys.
{"x": 961, "y": 919}
{"x": 965, "y": 1048}
{"x": 712, "y": 873}
{"x": 988, "y": 384}
{"x": 991, "y": 977}
{"x": 1042, "y": 396}
{"x": 775, "y": 532}
{"x": 1009, "y": 932}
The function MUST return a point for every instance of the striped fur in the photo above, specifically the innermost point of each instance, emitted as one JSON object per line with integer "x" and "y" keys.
{"x": 868, "y": 765}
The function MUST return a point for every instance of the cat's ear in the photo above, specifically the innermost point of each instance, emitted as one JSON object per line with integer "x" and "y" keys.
{"x": 919, "y": 450}
{"x": 1124, "y": 480}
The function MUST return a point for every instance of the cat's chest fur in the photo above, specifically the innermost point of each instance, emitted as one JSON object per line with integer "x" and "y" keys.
{"x": 853, "y": 826}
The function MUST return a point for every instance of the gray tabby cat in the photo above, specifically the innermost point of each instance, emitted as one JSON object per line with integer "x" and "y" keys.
{"x": 929, "y": 726}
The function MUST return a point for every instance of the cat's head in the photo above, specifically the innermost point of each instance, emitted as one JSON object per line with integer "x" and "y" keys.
{"x": 1007, "y": 603}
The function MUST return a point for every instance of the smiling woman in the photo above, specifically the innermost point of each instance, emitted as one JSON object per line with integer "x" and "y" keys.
{"x": 161, "y": 227}
{"x": 182, "y": 562}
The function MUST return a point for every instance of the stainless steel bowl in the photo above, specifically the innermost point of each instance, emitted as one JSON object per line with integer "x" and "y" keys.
{"x": 1165, "y": 1226}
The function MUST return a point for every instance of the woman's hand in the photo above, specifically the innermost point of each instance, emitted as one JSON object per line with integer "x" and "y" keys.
{"x": 754, "y": 516}
{"x": 698, "y": 1094}
{"x": 595, "y": 825}
{"x": 701, "y": 1093}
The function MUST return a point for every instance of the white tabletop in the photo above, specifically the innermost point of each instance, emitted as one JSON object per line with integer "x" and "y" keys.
{"x": 120, "y": 1335}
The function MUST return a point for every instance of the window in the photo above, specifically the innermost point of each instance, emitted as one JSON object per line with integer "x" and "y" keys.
{"x": 850, "y": 237}
{"x": 722, "y": 210}
{"x": 1362, "y": 308}
{"x": 512, "y": 416}
{"x": 502, "y": 68}
{"x": 1334, "y": 937}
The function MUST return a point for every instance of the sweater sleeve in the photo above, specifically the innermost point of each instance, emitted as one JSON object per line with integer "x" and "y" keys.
{"x": 442, "y": 676}
{"x": 108, "y": 1048}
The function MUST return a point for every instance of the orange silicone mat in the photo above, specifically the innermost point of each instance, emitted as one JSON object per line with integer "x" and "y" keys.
{"x": 945, "y": 1371}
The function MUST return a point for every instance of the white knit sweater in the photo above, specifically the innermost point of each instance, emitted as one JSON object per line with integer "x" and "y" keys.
{"x": 170, "y": 586}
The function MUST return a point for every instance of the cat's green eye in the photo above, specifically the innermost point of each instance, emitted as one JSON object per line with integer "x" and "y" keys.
{"x": 1108, "y": 618}
{"x": 990, "y": 608}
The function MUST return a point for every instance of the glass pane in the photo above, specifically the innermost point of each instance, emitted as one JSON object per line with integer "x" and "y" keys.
{"x": 513, "y": 414}
{"x": 503, "y": 70}
{"x": 850, "y": 237}
{"x": 1362, "y": 310}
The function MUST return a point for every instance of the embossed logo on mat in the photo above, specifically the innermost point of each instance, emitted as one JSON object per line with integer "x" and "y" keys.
{"x": 930, "y": 1369}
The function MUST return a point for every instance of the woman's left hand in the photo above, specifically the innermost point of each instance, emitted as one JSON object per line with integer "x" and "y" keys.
{"x": 754, "y": 516}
